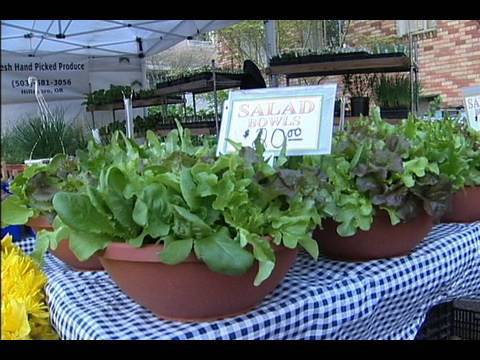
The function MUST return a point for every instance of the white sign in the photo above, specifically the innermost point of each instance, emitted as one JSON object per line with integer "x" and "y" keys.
{"x": 59, "y": 78}
{"x": 472, "y": 106}
{"x": 300, "y": 116}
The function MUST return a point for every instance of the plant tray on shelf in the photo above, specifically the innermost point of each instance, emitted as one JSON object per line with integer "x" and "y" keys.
{"x": 190, "y": 125}
{"x": 206, "y": 75}
{"x": 338, "y": 64}
{"x": 119, "y": 105}
{"x": 302, "y": 59}
{"x": 306, "y": 59}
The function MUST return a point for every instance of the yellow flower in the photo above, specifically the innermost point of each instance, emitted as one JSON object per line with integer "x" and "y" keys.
{"x": 15, "y": 324}
{"x": 7, "y": 243}
{"x": 25, "y": 314}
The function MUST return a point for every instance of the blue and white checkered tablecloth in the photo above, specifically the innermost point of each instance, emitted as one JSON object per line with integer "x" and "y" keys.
{"x": 381, "y": 299}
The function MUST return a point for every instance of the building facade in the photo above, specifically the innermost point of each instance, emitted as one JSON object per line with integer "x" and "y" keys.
{"x": 448, "y": 52}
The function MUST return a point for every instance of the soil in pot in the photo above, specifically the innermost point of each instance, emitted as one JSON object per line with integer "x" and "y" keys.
{"x": 359, "y": 106}
{"x": 465, "y": 206}
{"x": 63, "y": 251}
{"x": 188, "y": 291}
{"x": 383, "y": 240}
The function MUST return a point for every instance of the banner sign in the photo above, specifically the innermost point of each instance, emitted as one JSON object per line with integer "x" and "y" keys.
{"x": 472, "y": 106}
{"x": 59, "y": 78}
{"x": 300, "y": 115}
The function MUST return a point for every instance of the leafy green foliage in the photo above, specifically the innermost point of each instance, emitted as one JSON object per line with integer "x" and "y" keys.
{"x": 450, "y": 145}
{"x": 393, "y": 91}
{"x": 115, "y": 94}
{"x": 33, "y": 190}
{"x": 376, "y": 166}
{"x": 219, "y": 208}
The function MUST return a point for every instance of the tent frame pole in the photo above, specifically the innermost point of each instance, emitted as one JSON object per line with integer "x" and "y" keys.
{"x": 215, "y": 99}
{"x": 194, "y": 108}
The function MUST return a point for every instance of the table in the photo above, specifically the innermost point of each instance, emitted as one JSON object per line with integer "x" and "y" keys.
{"x": 381, "y": 299}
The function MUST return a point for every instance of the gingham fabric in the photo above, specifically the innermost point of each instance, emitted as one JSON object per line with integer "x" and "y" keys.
{"x": 381, "y": 299}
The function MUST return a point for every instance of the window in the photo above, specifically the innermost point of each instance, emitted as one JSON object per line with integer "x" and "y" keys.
{"x": 415, "y": 26}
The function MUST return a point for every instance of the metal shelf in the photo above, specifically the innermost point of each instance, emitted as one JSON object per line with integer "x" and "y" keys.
{"x": 363, "y": 63}
{"x": 138, "y": 103}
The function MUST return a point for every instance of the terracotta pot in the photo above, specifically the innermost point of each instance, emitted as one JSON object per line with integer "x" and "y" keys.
{"x": 465, "y": 206}
{"x": 63, "y": 251}
{"x": 188, "y": 291}
{"x": 12, "y": 170}
{"x": 383, "y": 240}
{"x": 40, "y": 223}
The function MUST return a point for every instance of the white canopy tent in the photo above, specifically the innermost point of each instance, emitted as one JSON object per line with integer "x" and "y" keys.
{"x": 114, "y": 51}
{"x": 101, "y": 37}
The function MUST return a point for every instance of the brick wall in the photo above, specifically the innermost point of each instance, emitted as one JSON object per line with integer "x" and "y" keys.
{"x": 226, "y": 58}
{"x": 364, "y": 28}
{"x": 448, "y": 58}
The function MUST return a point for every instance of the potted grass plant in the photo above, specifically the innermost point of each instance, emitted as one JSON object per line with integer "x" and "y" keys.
{"x": 177, "y": 220}
{"x": 36, "y": 139}
{"x": 393, "y": 95}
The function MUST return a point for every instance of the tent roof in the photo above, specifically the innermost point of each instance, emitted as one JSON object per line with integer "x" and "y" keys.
{"x": 100, "y": 38}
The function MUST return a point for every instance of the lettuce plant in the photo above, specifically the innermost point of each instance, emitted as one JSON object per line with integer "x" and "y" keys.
{"x": 450, "y": 144}
{"x": 33, "y": 189}
{"x": 374, "y": 167}
{"x": 230, "y": 211}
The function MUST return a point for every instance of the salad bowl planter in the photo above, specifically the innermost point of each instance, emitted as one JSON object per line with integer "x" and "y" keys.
{"x": 12, "y": 170}
{"x": 465, "y": 206}
{"x": 63, "y": 251}
{"x": 40, "y": 223}
{"x": 383, "y": 240}
{"x": 188, "y": 291}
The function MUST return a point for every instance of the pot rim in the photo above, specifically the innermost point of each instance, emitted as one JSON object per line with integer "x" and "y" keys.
{"x": 39, "y": 222}
{"x": 149, "y": 253}
{"x": 468, "y": 188}
{"x": 382, "y": 215}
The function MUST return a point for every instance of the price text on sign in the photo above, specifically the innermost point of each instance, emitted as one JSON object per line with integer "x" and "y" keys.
{"x": 59, "y": 78}
{"x": 472, "y": 106}
{"x": 300, "y": 117}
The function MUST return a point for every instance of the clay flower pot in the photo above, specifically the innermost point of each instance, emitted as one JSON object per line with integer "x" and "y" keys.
{"x": 188, "y": 291}
{"x": 465, "y": 206}
{"x": 63, "y": 251}
{"x": 40, "y": 223}
{"x": 383, "y": 240}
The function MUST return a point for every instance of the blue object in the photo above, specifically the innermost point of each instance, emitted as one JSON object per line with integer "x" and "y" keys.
{"x": 6, "y": 187}
{"x": 17, "y": 231}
